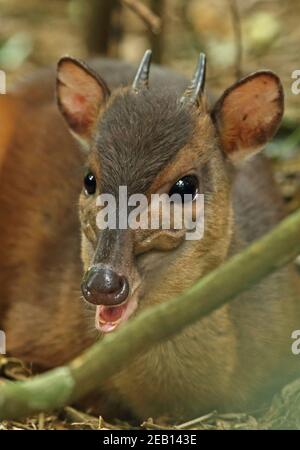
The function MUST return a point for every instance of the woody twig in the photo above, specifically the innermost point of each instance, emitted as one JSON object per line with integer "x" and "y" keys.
{"x": 152, "y": 21}
{"x": 237, "y": 31}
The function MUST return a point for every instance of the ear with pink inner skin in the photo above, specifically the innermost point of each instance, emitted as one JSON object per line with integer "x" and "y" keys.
{"x": 248, "y": 114}
{"x": 81, "y": 93}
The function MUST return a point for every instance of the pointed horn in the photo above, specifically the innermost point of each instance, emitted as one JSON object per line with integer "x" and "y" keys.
{"x": 196, "y": 86}
{"x": 142, "y": 75}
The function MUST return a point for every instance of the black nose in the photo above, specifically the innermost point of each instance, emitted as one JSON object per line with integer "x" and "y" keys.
{"x": 102, "y": 286}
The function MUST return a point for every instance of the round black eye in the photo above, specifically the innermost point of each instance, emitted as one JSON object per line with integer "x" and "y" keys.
{"x": 90, "y": 183}
{"x": 186, "y": 185}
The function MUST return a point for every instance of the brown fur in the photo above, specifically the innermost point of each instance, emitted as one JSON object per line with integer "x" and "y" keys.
{"x": 227, "y": 360}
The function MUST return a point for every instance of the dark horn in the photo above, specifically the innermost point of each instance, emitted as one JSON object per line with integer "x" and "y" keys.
{"x": 142, "y": 75}
{"x": 196, "y": 86}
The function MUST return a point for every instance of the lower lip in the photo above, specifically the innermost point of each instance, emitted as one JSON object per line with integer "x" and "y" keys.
{"x": 105, "y": 321}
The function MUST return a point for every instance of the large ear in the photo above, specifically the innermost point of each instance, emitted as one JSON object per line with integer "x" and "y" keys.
{"x": 249, "y": 113}
{"x": 80, "y": 95}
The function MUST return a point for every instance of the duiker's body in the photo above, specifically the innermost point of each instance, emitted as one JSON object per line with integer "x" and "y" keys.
{"x": 227, "y": 360}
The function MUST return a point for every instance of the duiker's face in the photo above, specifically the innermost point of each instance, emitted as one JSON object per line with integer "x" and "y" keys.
{"x": 148, "y": 142}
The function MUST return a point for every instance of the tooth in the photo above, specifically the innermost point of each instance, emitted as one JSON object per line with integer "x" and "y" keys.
{"x": 111, "y": 323}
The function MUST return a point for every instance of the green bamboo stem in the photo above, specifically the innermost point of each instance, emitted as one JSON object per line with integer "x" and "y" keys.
{"x": 85, "y": 373}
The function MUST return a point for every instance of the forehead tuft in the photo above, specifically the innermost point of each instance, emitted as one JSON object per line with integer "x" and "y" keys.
{"x": 138, "y": 135}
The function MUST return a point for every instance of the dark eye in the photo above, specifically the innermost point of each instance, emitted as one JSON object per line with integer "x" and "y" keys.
{"x": 90, "y": 183}
{"x": 186, "y": 185}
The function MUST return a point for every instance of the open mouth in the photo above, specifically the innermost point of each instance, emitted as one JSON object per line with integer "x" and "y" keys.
{"x": 108, "y": 318}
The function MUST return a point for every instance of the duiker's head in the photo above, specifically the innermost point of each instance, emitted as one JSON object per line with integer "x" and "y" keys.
{"x": 152, "y": 141}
